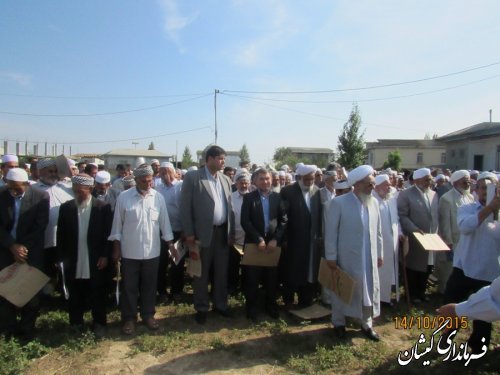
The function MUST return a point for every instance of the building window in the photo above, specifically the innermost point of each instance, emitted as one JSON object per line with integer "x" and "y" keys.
{"x": 420, "y": 158}
{"x": 452, "y": 153}
{"x": 443, "y": 158}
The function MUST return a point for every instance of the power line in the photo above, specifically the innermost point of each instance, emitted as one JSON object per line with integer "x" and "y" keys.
{"x": 365, "y": 100}
{"x": 99, "y": 97}
{"x": 365, "y": 87}
{"x": 103, "y": 113}
{"x": 116, "y": 140}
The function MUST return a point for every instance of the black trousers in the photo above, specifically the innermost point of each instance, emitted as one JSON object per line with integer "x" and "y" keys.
{"x": 253, "y": 276}
{"x": 175, "y": 272}
{"x": 234, "y": 281}
{"x": 85, "y": 294}
{"x": 417, "y": 283}
{"x": 458, "y": 289}
{"x": 304, "y": 292}
{"x": 8, "y": 317}
{"x": 139, "y": 277}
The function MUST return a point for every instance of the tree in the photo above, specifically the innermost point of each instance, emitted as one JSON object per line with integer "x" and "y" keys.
{"x": 393, "y": 161}
{"x": 351, "y": 144}
{"x": 187, "y": 158}
{"x": 283, "y": 155}
{"x": 151, "y": 146}
{"x": 244, "y": 155}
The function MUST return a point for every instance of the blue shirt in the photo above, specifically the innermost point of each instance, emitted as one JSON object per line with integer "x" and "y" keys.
{"x": 17, "y": 208}
{"x": 265, "y": 210}
{"x": 220, "y": 209}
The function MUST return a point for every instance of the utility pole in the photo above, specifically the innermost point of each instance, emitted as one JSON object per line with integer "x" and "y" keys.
{"x": 135, "y": 145}
{"x": 215, "y": 113}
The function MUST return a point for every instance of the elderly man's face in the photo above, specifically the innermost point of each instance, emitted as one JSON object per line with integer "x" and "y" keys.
{"x": 8, "y": 166}
{"x": 366, "y": 185}
{"x": 144, "y": 183}
{"x": 16, "y": 188}
{"x": 49, "y": 175}
{"x": 242, "y": 185}
{"x": 424, "y": 183}
{"x": 155, "y": 167}
{"x": 308, "y": 179}
{"x": 102, "y": 188}
{"x": 383, "y": 189}
{"x": 82, "y": 192}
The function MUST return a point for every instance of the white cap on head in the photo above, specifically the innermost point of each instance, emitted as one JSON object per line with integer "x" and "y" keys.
{"x": 490, "y": 175}
{"x": 166, "y": 164}
{"x": 420, "y": 173}
{"x": 457, "y": 175}
{"x": 298, "y": 165}
{"x": 358, "y": 173}
{"x": 302, "y": 170}
{"x": 17, "y": 174}
{"x": 155, "y": 161}
{"x": 281, "y": 173}
{"x": 184, "y": 171}
{"x": 440, "y": 177}
{"x": 139, "y": 161}
{"x": 284, "y": 167}
{"x": 330, "y": 173}
{"x": 340, "y": 185}
{"x": 71, "y": 162}
{"x": 381, "y": 178}
{"x": 474, "y": 172}
{"x": 10, "y": 158}
{"x": 102, "y": 177}
{"x": 192, "y": 168}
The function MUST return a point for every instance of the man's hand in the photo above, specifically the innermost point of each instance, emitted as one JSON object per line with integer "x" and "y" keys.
{"x": 117, "y": 252}
{"x": 261, "y": 245}
{"x": 447, "y": 310}
{"x": 380, "y": 262}
{"x": 190, "y": 240}
{"x": 20, "y": 253}
{"x": 272, "y": 245}
{"x": 102, "y": 263}
{"x": 194, "y": 255}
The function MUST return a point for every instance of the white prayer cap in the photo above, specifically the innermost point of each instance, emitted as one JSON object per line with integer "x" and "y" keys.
{"x": 139, "y": 161}
{"x": 298, "y": 165}
{"x": 83, "y": 179}
{"x": 388, "y": 171}
{"x": 457, "y": 175}
{"x": 44, "y": 163}
{"x": 302, "y": 170}
{"x": 319, "y": 171}
{"x": 440, "y": 177}
{"x": 490, "y": 175}
{"x": 284, "y": 167}
{"x": 240, "y": 171}
{"x": 474, "y": 172}
{"x": 10, "y": 158}
{"x": 166, "y": 164}
{"x": 184, "y": 171}
{"x": 17, "y": 174}
{"x": 358, "y": 173}
{"x": 192, "y": 168}
{"x": 381, "y": 178}
{"x": 340, "y": 185}
{"x": 94, "y": 164}
{"x": 281, "y": 173}
{"x": 330, "y": 173}
{"x": 155, "y": 161}
{"x": 421, "y": 173}
{"x": 102, "y": 177}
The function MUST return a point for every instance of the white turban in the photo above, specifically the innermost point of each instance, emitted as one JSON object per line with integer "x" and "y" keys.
{"x": 457, "y": 175}
{"x": 357, "y": 174}
{"x": 381, "y": 178}
{"x": 302, "y": 170}
{"x": 166, "y": 164}
{"x": 484, "y": 175}
{"x": 17, "y": 174}
{"x": 340, "y": 185}
{"x": 102, "y": 177}
{"x": 10, "y": 158}
{"x": 298, "y": 165}
{"x": 420, "y": 173}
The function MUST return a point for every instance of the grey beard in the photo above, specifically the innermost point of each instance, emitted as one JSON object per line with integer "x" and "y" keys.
{"x": 305, "y": 189}
{"x": 464, "y": 191}
{"x": 50, "y": 182}
{"x": 365, "y": 198}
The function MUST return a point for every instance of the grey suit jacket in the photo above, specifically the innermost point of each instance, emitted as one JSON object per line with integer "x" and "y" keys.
{"x": 415, "y": 215}
{"x": 197, "y": 205}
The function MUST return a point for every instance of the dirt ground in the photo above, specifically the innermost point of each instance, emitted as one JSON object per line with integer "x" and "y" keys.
{"x": 235, "y": 346}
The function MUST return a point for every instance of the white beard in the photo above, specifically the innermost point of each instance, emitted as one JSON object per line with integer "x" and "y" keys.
{"x": 305, "y": 189}
{"x": 365, "y": 198}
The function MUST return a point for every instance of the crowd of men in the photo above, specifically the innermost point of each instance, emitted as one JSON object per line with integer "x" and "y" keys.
{"x": 96, "y": 229}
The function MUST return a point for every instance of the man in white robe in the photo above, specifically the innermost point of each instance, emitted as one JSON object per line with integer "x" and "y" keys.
{"x": 353, "y": 242}
{"x": 391, "y": 232}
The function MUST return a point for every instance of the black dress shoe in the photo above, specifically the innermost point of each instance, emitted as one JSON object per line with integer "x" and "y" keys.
{"x": 225, "y": 313}
{"x": 371, "y": 334}
{"x": 200, "y": 317}
{"x": 340, "y": 332}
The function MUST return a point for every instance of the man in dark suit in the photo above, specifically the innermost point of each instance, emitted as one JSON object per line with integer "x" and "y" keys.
{"x": 205, "y": 211}
{"x": 24, "y": 215}
{"x": 300, "y": 260}
{"x": 83, "y": 227}
{"x": 263, "y": 219}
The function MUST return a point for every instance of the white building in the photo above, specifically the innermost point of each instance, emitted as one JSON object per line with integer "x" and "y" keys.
{"x": 131, "y": 156}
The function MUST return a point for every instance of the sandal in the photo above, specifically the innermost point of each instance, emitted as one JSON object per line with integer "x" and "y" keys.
{"x": 128, "y": 327}
{"x": 151, "y": 323}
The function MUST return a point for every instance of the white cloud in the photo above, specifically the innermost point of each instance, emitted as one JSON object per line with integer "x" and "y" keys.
{"x": 175, "y": 22}
{"x": 19, "y": 78}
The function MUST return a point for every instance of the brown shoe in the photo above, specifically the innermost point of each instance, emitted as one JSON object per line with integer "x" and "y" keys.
{"x": 128, "y": 327}
{"x": 151, "y": 323}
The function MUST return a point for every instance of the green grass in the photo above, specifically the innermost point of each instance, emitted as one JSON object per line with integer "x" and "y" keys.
{"x": 159, "y": 344}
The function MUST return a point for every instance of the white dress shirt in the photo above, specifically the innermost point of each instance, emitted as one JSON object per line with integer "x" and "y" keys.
{"x": 220, "y": 205}
{"x": 482, "y": 305}
{"x": 172, "y": 196}
{"x": 478, "y": 249}
{"x": 137, "y": 223}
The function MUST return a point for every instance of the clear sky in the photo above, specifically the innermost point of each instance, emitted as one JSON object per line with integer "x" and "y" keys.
{"x": 148, "y": 69}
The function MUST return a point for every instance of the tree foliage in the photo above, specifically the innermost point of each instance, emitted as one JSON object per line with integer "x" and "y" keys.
{"x": 244, "y": 155}
{"x": 187, "y": 158}
{"x": 151, "y": 146}
{"x": 393, "y": 160}
{"x": 351, "y": 145}
{"x": 283, "y": 155}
